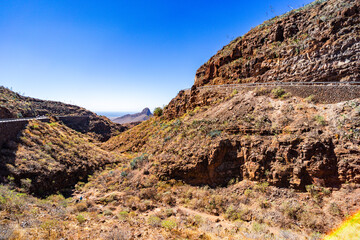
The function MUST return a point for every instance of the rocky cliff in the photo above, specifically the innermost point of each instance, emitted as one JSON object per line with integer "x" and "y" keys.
{"x": 288, "y": 137}
{"x": 288, "y": 142}
{"x": 319, "y": 42}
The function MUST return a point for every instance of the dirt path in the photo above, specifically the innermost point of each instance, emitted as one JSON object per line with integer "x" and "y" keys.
{"x": 201, "y": 214}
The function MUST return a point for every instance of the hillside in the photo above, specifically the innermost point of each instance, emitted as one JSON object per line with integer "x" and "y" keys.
{"x": 288, "y": 141}
{"x": 48, "y": 157}
{"x": 303, "y": 140}
{"x": 13, "y": 105}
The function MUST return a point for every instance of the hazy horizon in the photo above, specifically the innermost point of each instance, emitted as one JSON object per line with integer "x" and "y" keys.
{"x": 113, "y": 114}
{"x": 118, "y": 56}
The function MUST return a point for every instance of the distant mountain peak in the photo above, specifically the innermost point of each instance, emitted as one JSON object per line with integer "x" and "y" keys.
{"x": 146, "y": 111}
{"x": 145, "y": 114}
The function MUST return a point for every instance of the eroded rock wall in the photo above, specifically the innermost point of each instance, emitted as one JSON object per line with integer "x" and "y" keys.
{"x": 318, "y": 43}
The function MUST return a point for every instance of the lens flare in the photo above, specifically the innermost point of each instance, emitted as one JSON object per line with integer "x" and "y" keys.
{"x": 349, "y": 229}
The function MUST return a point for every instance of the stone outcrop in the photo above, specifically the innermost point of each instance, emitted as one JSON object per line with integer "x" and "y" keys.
{"x": 319, "y": 43}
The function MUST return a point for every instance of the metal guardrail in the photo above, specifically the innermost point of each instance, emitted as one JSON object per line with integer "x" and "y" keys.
{"x": 295, "y": 84}
{"x": 6, "y": 120}
{"x": 23, "y": 119}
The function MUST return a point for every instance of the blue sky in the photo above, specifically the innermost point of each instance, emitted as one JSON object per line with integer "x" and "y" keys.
{"x": 118, "y": 55}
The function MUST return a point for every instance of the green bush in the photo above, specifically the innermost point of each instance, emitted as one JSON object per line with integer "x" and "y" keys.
{"x": 138, "y": 160}
{"x": 232, "y": 213}
{"x": 168, "y": 224}
{"x": 257, "y": 227}
{"x": 261, "y": 187}
{"x": 11, "y": 201}
{"x": 309, "y": 99}
{"x": 234, "y": 92}
{"x": 80, "y": 218}
{"x": 158, "y": 112}
{"x": 123, "y": 215}
{"x": 320, "y": 120}
{"x": 49, "y": 226}
{"x": 277, "y": 92}
{"x": 214, "y": 133}
{"x": 154, "y": 221}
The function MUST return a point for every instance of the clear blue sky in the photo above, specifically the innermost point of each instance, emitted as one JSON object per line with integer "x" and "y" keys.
{"x": 118, "y": 55}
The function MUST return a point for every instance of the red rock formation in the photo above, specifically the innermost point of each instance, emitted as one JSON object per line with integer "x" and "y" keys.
{"x": 319, "y": 43}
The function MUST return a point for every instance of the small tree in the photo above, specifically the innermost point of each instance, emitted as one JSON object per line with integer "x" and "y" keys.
{"x": 158, "y": 112}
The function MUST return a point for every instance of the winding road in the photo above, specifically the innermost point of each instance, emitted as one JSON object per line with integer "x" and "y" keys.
{"x": 23, "y": 119}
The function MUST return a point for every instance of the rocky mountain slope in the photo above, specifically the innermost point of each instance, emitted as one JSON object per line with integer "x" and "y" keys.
{"x": 13, "y": 105}
{"x": 269, "y": 135}
{"x": 50, "y": 157}
{"x": 288, "y": 142}
{"x": 247, "y": 163}
{"x": 318, "y": 43}
{"x": 145, "y": 114}
{"x": 210, "y": 136}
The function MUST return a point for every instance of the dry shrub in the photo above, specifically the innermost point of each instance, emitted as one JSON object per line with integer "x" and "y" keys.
{"x": 168, "y": 199}
{"x": 119, "y": 234}
{"x": 81, "y": 206}
{"x": 147, "y": 193}
{"x": 154, "y": 221}
{"x": 261, "y": 91}
{"x": 6, "y": 231}
{"x": 291, "y": 209}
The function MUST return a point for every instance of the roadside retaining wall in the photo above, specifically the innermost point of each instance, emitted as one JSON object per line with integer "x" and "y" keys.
{"x": 322, "y": 94}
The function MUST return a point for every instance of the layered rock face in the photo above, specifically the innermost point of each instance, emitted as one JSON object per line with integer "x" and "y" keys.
{"x": 320, "y": 43}
{"x": 288, "y": 143}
